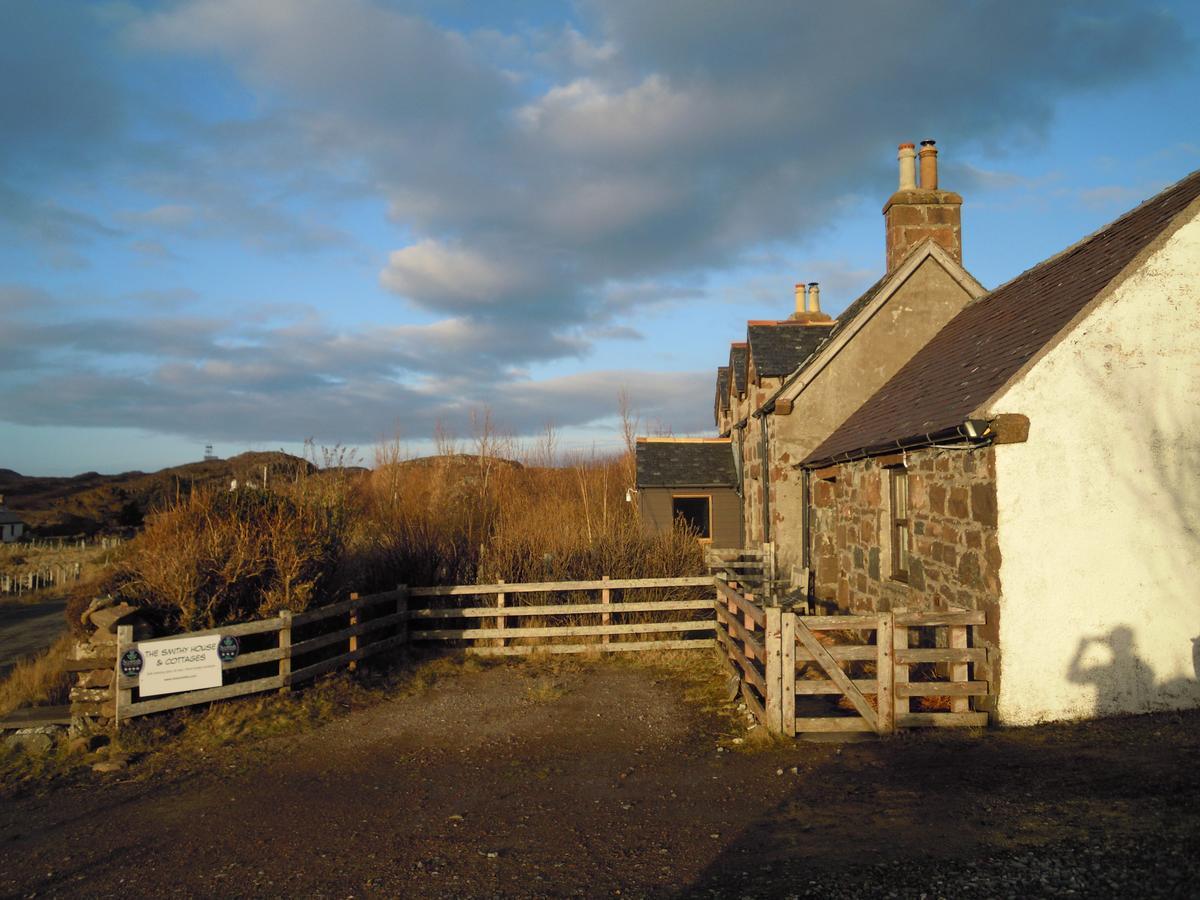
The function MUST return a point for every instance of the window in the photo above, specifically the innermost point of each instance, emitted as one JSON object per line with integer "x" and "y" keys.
{"x": 694, "y": 514}
{"x": 900, "y": 547}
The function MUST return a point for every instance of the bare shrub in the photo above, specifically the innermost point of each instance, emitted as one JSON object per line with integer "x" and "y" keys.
{"x": 224, "y": 556}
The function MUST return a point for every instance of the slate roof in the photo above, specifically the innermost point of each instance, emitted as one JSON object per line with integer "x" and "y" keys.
{"x": 10, "y": 518}
{"x": 722, "y": 399}
{"x": 987, "y": 343}
{"x": 777, "y": 349}
{"x": 737, "y": 365}
{"x": 672, "y": 463}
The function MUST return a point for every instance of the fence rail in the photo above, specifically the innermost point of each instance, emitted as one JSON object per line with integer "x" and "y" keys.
{"x": 606, "y": 619}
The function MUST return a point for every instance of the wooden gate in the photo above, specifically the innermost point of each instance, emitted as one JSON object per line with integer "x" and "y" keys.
{"x": 811, "y": 674}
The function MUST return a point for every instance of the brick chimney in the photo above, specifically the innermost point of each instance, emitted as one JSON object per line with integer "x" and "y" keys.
{"x": 916, "y": 212}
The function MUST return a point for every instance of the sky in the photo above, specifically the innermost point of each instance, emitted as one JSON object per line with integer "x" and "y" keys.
{"x": 251, "y": 223}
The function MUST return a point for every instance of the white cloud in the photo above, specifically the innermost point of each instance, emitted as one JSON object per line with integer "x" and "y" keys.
{"x": 434, "y": 274}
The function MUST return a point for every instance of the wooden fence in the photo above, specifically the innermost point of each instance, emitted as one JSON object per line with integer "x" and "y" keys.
{"x": 297, "y": 647}
{"x": 791, "y": 666}
{"x": 614, "y": 622}
{"x": 41, "y": 577}
{"x": 750, "y": 568}
{"x": 304, "y": 645}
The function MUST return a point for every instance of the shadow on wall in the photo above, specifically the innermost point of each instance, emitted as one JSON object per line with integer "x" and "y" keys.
{"x": 1154, "y": 477}
{"x": 1124, "y": 682}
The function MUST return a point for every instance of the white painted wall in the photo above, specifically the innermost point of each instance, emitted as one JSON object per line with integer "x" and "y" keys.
{"x": 1100, "y": 509}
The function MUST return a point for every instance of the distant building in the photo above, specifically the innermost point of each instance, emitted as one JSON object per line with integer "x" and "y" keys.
{"x": 11, "y": 525}
{"x": 690, "y": 483}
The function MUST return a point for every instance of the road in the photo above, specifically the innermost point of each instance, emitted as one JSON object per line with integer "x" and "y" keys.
{"x": 26, "y": 628}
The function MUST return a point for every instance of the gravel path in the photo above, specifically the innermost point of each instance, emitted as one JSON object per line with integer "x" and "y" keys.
{"x": 605, "y": 781}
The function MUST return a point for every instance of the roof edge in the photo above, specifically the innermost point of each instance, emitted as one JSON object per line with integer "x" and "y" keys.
{"x": 825, "y": 354}
{"x": 961, "y": 432}
{"x": 1185, "y": 215}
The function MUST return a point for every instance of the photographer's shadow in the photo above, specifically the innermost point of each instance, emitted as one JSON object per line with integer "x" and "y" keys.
{"x": 1123, "y": 684}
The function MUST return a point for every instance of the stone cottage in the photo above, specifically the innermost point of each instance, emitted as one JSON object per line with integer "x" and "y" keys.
{"x": 1039, "y": 458}
{"x": 792, "y": 381}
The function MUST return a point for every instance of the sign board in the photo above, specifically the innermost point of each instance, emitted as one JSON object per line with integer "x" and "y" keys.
{"x": 179, "y": 664}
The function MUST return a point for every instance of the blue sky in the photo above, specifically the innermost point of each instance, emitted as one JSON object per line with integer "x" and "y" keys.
{"x": 251, "y": 222}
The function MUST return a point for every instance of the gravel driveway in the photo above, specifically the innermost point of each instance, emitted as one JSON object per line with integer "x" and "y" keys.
{"x": 605, "y": 781}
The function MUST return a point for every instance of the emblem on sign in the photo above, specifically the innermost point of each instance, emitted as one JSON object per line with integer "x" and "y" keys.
{"x": 228, "y": 648}
{"x": 131, "y": 663}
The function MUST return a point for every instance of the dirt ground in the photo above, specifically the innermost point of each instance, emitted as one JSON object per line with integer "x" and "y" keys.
{"x": 604, "y": 779}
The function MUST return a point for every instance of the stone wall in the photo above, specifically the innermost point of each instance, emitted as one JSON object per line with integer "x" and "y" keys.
{"x": 954, "y": 556}
{"x": 94, "y": 658}
{"x": 754, "y": 469}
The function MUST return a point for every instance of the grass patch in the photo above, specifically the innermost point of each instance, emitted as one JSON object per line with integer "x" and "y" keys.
{"x": 41, "y": 680}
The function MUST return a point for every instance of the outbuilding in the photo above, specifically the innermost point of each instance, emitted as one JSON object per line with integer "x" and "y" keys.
{"x": 690, "y": 483}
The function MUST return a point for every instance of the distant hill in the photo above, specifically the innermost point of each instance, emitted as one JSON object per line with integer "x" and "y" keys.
{"x": 91, "y": 502}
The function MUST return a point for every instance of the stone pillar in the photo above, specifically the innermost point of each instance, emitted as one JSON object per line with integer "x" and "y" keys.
{"x": 94, "y": 659}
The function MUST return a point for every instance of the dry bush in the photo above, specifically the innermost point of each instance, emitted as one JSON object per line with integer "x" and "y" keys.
{"x": 225, "y": 556}
{"x": 39, "y": 681}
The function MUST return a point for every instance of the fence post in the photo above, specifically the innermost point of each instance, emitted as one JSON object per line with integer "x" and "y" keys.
{"x": 787, "y": 681}
{"x": 122, "y": 697}
{"x": 501, "y": 621}
{"x": 747, "y": 623}
{"x": 773, "y": 647}
{"x": 769, "y": 569}
{"x": 885, "y": 697}
{"x": 959, "y": 671}
{"x": 354, "y": 637}
{"x": 402, "y": 608}
{"x": 285, "y": 646}
{"x": 899, "y": 669}
{"x": 605, "y": 618}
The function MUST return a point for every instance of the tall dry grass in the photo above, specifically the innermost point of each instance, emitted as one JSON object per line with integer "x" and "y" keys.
{"x": 473, "y": 513}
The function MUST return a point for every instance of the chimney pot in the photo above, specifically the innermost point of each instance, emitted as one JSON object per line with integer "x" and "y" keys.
{"x": 929, "y": 173}
{"x": 801, "y": 298}
{"x": 907, "y": 156}
{"x": 913, "y": 216}
{"x": 814, "y": 297}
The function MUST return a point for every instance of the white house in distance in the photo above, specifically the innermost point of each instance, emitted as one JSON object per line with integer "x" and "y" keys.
{"x": 11, "y": 525}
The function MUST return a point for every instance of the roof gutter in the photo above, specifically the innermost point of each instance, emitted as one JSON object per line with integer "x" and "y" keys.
{"x": 977, "y": 432}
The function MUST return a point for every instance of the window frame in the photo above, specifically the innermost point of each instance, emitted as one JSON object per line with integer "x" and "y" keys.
{"x": 708, "y": 498}
{"x": 899, "y": 525}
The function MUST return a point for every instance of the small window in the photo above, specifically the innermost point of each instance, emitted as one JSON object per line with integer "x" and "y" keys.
{"x": 693, "y": 513}
{"x": 900, "y": 547}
